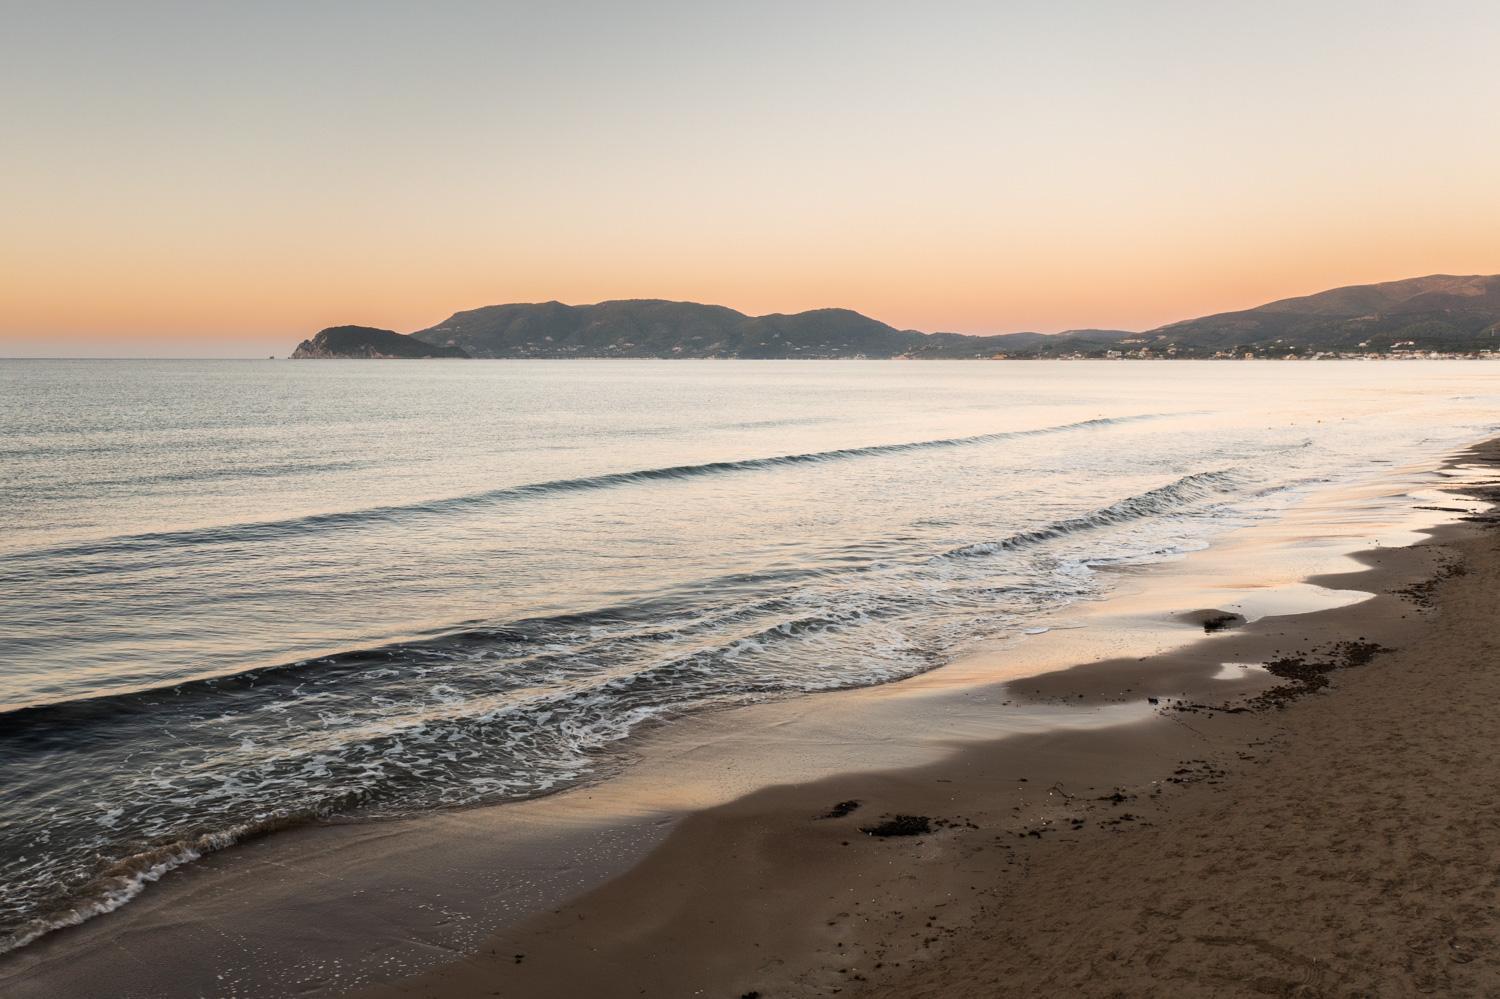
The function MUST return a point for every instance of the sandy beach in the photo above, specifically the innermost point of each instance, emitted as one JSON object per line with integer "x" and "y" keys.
{"x": 1328, "y": 830}
{"x": 752, "y": 501}
{"x": 1300, "y": 804}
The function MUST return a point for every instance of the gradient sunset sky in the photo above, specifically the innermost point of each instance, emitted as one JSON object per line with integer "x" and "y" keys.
{"x": 226, "y": 178}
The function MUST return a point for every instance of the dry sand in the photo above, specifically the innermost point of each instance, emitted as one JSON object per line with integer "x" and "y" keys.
{"x": 1334, "y": 830}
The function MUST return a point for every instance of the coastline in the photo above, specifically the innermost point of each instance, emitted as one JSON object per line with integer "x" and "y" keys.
{"x": 1107, "y": 862}
{"x": 641, "y": 845}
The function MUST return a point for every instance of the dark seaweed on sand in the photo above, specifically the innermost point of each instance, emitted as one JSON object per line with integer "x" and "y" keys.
{"x": 1308, "y": 673}
{"x": 841, "y": 809}
{"x": 1221, "y": 621}
{"x": 900, "y": 825}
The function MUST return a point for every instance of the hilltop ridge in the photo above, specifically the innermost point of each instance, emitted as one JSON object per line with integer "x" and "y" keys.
{"x": 1439, "y": 312}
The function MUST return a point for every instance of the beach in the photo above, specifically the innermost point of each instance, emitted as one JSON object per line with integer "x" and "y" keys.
{"x": 1301, "y": 840}
{"x": 747, "y": 500}
{"x": 1073, "y": 810}
{"x": 1256, "y": 834}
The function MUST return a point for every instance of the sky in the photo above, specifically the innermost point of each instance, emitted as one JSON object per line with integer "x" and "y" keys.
{"x": 206, "y": 178}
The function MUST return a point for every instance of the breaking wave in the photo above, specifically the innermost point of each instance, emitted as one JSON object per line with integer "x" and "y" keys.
{"x": 1155, "y": 502}
{"x": 271, "y": 529}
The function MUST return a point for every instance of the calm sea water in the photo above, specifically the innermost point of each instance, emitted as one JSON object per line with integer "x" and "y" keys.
{"x": 236, "y": 595}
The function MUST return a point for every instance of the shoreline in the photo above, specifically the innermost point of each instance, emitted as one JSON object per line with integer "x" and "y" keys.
{"x": 1104, "y": 862}
{"x": 568, "y": 849}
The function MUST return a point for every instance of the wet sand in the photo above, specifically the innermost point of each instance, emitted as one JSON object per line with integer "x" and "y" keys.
{"x": 1331, "y": 827}
{"x": 1066, "y": 810}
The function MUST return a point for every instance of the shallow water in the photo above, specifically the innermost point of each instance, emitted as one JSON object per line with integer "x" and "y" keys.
{"x": 239, "y": 594}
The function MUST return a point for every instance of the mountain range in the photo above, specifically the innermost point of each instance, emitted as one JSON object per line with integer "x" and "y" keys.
{"x": 1438, "y": 312}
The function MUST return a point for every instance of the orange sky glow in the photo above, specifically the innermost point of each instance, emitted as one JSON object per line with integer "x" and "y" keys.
{"x": 207, "y": 180}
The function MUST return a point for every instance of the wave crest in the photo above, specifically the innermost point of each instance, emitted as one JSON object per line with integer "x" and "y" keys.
{"x": 272, "y": 529}
{"x": 1164, "y": 499}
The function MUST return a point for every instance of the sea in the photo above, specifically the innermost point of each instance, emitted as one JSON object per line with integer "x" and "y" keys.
{"x": 237, "y": 596}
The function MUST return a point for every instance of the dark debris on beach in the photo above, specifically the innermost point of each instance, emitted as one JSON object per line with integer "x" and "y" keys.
{"x": 1305, "y": 673}
{"x": 1424, "y": 593}
{"x": 840, "y": 810}
{"x": 1309, "y": 672}
{"x": 900, "y": 825}
{"x": 1221, "y": 621}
